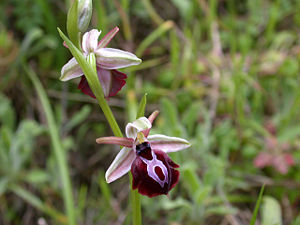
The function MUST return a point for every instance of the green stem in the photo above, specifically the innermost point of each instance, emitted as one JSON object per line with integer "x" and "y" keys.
{"x": 97, "y": 90}
{"x": 133, "y": 113}
{"x": 90, "y": 71}
{"x": 38, "y": 203}
{"x": 96, "y": 87}
{"x": 59, "y": 151}
{"x": 135, "y": 205}
{"x": 72, "y": 24}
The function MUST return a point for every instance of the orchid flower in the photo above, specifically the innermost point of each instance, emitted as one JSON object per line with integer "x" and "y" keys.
{"x": 107, "y": 61}
{"x": 154, "y": 173}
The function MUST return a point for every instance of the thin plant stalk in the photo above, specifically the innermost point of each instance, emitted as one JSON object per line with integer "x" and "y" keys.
{"x": 59, "y": 151}
{"x": 133, "y": 113}
{"x": 135, "y": 204}
{"x": 134, "y": 195}
{"x": 90, "y": 71}
{"x": 257, "y": 205}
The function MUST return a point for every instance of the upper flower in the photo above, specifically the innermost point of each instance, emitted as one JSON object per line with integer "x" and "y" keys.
{"x": 154, "y": 173}
{"x": 107, "y": 60}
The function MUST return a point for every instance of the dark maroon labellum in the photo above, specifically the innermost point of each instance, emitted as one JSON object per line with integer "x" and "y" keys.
{"x": 144, "y": 150}
{"x": 153, "y": 171}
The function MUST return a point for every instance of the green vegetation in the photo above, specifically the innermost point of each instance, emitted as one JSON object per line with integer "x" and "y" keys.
{"x": 223, "y": 74}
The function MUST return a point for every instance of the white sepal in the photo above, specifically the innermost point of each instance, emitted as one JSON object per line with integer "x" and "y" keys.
{"x": 121, "y": 165}
{"x": 167, "y": 144}
{"x": 70, "y": 70}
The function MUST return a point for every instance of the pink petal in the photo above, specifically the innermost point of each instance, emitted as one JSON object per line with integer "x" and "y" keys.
{"x": 105, "y": 78}
{"x": 121, "y": 165}
{"x": 151, "y": 118}
{"x": 111, "y": 81}
{"x": 90, "y": 41}
{"x": 289, "y": 159}
{"x": 262, "y": 160}
{"x": 126, "y": 142}
{"x": 167, "y": 144}
{"x": 65, "y": 44}
{"x": 153, "y": 115}
{"x": 107, "y": 38}
{"x": 117, "y": 83}
{"x": 280, "y": 164}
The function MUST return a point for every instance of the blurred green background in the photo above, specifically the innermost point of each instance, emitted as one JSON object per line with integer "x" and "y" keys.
{"x": 224, "y": 75}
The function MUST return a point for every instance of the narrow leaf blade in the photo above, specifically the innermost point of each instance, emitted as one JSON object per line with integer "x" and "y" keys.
{"x": 258, "y": 202}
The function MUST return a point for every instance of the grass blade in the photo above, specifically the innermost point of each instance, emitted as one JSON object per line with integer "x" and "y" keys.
{"x": 258, "y": 202}
{"x": 59, "y": 151}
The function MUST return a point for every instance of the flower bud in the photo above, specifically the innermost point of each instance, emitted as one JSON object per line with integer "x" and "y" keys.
{"x": 85, "y": 9}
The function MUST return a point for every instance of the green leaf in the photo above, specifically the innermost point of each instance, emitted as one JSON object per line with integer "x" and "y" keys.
{"x": 191, "y": 115}
{"x": 177, "y": 203}
{"x": 289, "y": 134}
{"x": 159, "y": 32}
{"x": 271, "y": 211}
{"x": 185, "y": 8}
{"x": 170, "y": 114}
{"x": 105, "y": 190}
{"x": 202, "y": 194}
{"x": 37, "y": 176}
{"x": 72, "y": 24}
{"x": 39, "y": 204}
{"x": 3, "y": 185}
{"x": 220, "y": 210}
{"x": 296, "y": 221}
{"x": 189, "y": 176}
{"x": 82, "y": 200}
{"x": 59, "y": 152}
{"x": 142, "y": 106}
{"x": 78, "y": 118}
{"x": 7, "y": 114}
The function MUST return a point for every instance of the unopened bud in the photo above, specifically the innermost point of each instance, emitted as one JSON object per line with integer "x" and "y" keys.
{"x": 85, "y": 9}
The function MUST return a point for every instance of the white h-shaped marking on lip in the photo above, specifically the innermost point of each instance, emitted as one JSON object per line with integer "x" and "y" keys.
{"x": 151, "y": 165}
